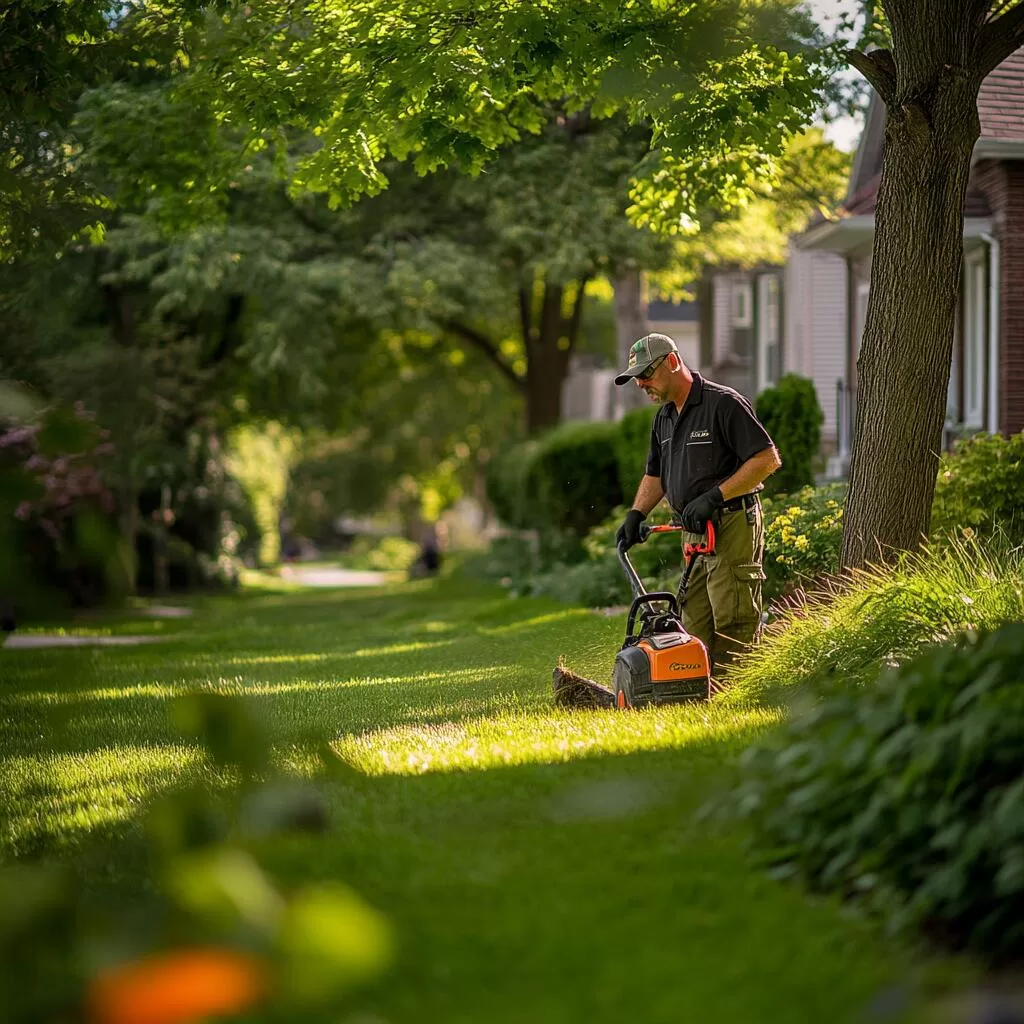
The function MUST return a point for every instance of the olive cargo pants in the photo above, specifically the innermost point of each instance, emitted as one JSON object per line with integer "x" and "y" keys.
{"x": 723, "y": 601}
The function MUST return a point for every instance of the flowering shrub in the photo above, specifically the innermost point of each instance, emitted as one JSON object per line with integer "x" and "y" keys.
{"x": 803, "y": 537}
{"x": 55, "y": 509}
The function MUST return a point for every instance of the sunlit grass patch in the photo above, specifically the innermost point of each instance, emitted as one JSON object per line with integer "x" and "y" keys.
{"x": 513, "y": 737}
{"x": 61, "y": 794}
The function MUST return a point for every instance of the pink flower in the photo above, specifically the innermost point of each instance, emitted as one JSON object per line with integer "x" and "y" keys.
{"x": 24, "y": 510}
{"x": 18, "y": 435}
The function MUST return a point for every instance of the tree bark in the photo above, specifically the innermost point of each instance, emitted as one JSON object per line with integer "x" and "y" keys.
{"x": 548, "y": 347}
{"x": 931, "y": 94}
{"x": 630, "y": 325}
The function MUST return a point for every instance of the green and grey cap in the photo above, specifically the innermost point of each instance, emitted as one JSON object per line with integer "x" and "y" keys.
{"x": 643, "y": 353}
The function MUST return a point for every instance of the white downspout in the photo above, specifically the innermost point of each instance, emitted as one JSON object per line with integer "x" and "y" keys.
{"x": 993, "y": 332}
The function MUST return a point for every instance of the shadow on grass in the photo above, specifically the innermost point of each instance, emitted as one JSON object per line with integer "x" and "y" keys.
{"x": 583, "y": 891}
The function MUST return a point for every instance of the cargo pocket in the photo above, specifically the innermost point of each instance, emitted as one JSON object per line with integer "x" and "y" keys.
{"x": 747, "y": 580}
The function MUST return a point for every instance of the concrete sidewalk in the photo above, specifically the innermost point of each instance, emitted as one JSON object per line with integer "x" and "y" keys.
{"x": 326, "y": 577}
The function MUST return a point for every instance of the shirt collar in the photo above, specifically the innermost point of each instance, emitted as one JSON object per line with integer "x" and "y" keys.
{"x": 695, "y": 397}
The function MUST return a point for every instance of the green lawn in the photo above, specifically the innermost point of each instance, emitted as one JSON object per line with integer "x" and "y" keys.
{"x": 535, "y": 865}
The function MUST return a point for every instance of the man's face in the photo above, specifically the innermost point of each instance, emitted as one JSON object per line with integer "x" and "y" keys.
{"x": 653, "y": 384}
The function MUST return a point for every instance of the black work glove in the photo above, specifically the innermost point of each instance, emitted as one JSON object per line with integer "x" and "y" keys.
{"x": 704, "y": 507}
{"x": 628, "y": 533}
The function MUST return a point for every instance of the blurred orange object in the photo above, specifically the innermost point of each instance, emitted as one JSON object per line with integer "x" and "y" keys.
{"x": 180, "y": 987}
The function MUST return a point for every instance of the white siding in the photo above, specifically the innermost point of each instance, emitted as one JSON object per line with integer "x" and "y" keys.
{"x": 815, "y": 331}
{"x": 686, "y": 335}
{"x": 722, "y": 319}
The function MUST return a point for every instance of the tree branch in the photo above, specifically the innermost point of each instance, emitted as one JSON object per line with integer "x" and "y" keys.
{"x": 489, "y": 349}
{"x": 1000, "y": 38}
{"x": 879, "y": 68}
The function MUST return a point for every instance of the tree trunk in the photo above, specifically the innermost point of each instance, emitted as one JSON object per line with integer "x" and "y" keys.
{"x": 549, "y": 339}
{"x": 904, "y": 364}
{"x": 630, "y": 325}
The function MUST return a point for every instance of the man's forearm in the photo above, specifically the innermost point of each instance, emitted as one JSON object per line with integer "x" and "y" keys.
{"x": 754, "y": 471}
{"x": 648, "y": 494}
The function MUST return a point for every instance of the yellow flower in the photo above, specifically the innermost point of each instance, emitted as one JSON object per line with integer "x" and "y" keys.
{"x": 801, "y": 542}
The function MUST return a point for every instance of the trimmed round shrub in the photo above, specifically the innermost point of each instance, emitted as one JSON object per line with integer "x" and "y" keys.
{"x": 506, "y": 486}
{"x": 791, "y": 415}
{"x": 632, "y": 444}
{"x": 907, "y": 795}
{"x": 565, "y": 480}
{"x": 575, "y": 477}
{"x": 980, "y": 487}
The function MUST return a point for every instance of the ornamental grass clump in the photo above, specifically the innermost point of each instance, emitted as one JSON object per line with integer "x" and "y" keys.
{"x": 907, "y": 795}
{"x": 846, "y": 630}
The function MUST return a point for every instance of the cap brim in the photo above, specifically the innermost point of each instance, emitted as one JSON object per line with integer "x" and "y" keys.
{"x": 627, "y": 375}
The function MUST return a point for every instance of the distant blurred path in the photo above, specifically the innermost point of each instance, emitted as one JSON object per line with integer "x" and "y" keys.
{"x": 328, "y": 577}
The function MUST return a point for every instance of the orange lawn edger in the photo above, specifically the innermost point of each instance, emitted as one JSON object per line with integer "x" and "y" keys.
{"x": 659, "y": 662}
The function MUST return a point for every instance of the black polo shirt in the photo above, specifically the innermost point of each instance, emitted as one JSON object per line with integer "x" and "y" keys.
{"x": 695, "y": 449}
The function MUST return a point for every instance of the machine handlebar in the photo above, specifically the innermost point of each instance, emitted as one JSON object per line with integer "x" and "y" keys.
{"x": 699, "y": 548}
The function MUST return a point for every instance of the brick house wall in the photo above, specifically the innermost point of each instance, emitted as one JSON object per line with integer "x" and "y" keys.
{"x": 1002, "y": 182}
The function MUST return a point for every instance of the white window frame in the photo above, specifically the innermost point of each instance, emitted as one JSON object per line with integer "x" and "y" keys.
{"x": 768, "y": 328}
{"x": 976, "y": 301}
{"x": 741, "y": 302}
{"x": 860, "y": 316}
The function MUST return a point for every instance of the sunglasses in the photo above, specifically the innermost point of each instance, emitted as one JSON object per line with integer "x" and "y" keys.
{"x": 650, "y": 369}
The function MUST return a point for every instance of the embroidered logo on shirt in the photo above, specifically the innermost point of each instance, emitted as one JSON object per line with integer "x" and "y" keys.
{"x": 697, "y": 434}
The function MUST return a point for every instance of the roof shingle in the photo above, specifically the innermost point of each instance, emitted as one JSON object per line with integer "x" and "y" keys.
{"x": 1001, "y": 100}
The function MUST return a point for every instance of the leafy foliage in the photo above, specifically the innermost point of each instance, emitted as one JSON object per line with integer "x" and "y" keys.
{"x": 908, "y": 795}
{"x": 980, "y": 487}
{"x": 812, "y": 181}
{"x": 791, "y": 415}
{"x": 803, "y": 533}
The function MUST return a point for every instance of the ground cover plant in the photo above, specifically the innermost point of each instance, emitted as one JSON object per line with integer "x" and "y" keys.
{"x": 530, "y": 863}
{"x": 908, "y": 795}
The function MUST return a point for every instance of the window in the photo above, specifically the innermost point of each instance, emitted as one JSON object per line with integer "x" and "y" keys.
{"x": 741, "y": 302}
{"x": 769, "y": 363}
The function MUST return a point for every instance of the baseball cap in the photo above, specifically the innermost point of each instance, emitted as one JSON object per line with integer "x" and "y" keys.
{"x": 643, "y": 353}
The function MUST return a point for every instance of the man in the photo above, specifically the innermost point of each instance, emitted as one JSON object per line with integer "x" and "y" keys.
{"x": 709, "y": 456}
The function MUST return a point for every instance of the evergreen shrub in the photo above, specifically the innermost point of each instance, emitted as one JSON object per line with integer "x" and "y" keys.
{"x": 907, "y": 794}
{"x": 791, "y": 415}
{"x": 564, "y": 481}
{"x": 506, "y": 486}
{"x": 575, "y": 476}
{"x": 631, "y": 447}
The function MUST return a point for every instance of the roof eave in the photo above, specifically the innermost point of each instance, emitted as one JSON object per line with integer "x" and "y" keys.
{"x": 998, "y": 149}
{"x": 839, "y": 235}
{"x": 843, "y": 236}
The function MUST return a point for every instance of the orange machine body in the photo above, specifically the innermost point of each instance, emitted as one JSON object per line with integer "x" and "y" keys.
{"x": 688, "y": 660}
